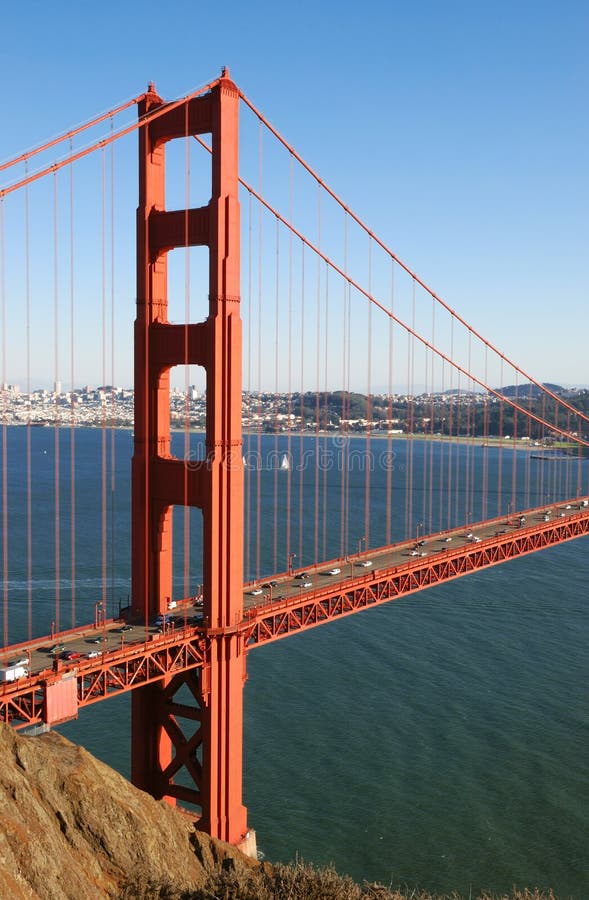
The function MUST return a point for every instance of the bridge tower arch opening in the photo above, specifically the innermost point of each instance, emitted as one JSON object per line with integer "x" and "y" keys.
{"x": 213, "y": 760}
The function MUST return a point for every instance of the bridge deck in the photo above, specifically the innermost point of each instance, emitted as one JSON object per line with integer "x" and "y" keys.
{"x": 117, "y": 656}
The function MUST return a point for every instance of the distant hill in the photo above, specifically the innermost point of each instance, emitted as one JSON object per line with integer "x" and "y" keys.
{"x": 529, "y": 390}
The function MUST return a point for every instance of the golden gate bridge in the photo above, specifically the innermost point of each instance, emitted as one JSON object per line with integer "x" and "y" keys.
{"x": 293, "y": 298}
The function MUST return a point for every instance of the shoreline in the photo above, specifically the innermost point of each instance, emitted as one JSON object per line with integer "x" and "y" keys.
{"x": 474, "y": 440}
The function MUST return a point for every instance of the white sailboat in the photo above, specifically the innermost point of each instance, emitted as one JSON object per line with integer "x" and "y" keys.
{"x": 284, "y": 462}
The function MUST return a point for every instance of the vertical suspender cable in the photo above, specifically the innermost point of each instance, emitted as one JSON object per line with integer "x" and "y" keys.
{"x": 348, "y": 388}
{"x": 276, "y": 388}
{"x": 432, "y": 413}
{"x": 248, "y": 490}
{"x": 547, "y": 470}
{"x": 556, "y": 467}
{"x": 499, "y": 510}
{"x": 443, "y": 448}
{"x": 542, "y": 498}
{"x": 368, "y": 406}
{"x": 450, "y": 432}
{"x": 471, "y": 439}
{"x": 186, "y": 429}
{"x": 72, "y": 407}
{"x": 289, "y": 382}
{"x": 485, "y": 478}
{"x": 514, "y": 467}
{"x": 259, "y": 363}
{"x": 389, "y": 455}
{"x": 113, "y": 542}
{"x": 527, "y": 499}
{"x": 302, "y": 409}
{"x": 344, "y": 413}
{"x": 56, "y": 388}
{"x": 103, "y": 397}
{"x": 317, "y": 379}
{"x": 325, "y": 467}
{"x": 567, "y": 465}
{"x": 457, "y": 473}
{"x": 408, "y": 427}
{"x": 425, "y": 443}
{"x": 409, "y": 485}
{"x": 29, "y": 511}
{"x": 4, "y": 431}
{"x": 579, "y": 466}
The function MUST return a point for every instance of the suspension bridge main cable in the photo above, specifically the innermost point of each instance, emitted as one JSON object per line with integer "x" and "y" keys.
{"x": 416, "y": 280}
{"x": 400, "y": 262}
{"x": 426, "y": 343}
{"x": 68, "y": 135}
{"x": 105, "y": 141}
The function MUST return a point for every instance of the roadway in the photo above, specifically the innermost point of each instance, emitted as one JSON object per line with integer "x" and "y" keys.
{"x": 84, "y": 647}
{"x": 303, "y": 581}
{"x": 72, "y": 649}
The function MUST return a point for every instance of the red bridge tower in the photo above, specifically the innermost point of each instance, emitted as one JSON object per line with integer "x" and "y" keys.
{"x": 212, "y": 754}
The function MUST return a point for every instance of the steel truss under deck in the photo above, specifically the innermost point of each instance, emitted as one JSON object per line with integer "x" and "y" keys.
{"x": 278, "y": 620}
{"x": 25, "y": 703}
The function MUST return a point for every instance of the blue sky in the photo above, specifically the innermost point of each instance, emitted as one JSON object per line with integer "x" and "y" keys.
{"x": 457, "y": 130}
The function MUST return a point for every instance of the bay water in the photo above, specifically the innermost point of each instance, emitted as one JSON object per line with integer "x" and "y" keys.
{"x": 438, "y": 741}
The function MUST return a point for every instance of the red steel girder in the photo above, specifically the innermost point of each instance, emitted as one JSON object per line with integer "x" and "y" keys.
{"x": 188, "y": 749}
{"x": 23, "y": 704}
{"x": 284, "y": 618}
{"x": 135, "y": 665}
{"x": 170, "y": 656}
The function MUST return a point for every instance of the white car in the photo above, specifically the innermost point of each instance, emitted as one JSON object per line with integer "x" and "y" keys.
{"x": 334, "y": 571}
{"x": 366, "y": 564}
{"x": 256, "y": 592}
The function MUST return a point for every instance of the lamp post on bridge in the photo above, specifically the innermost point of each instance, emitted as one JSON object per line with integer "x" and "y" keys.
{"x": 98, "y": 613}
{"x": 350, "y": 563}
{"x": 361, "y": 541}
{"x": 291, "y": 556}
{"x": 419, "y": 525}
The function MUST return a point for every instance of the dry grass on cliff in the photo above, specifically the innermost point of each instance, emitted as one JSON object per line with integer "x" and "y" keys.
{"x": 298, "y": 881}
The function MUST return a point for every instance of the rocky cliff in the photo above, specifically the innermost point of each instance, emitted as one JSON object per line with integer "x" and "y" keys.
{"x": 72, "y": 828}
